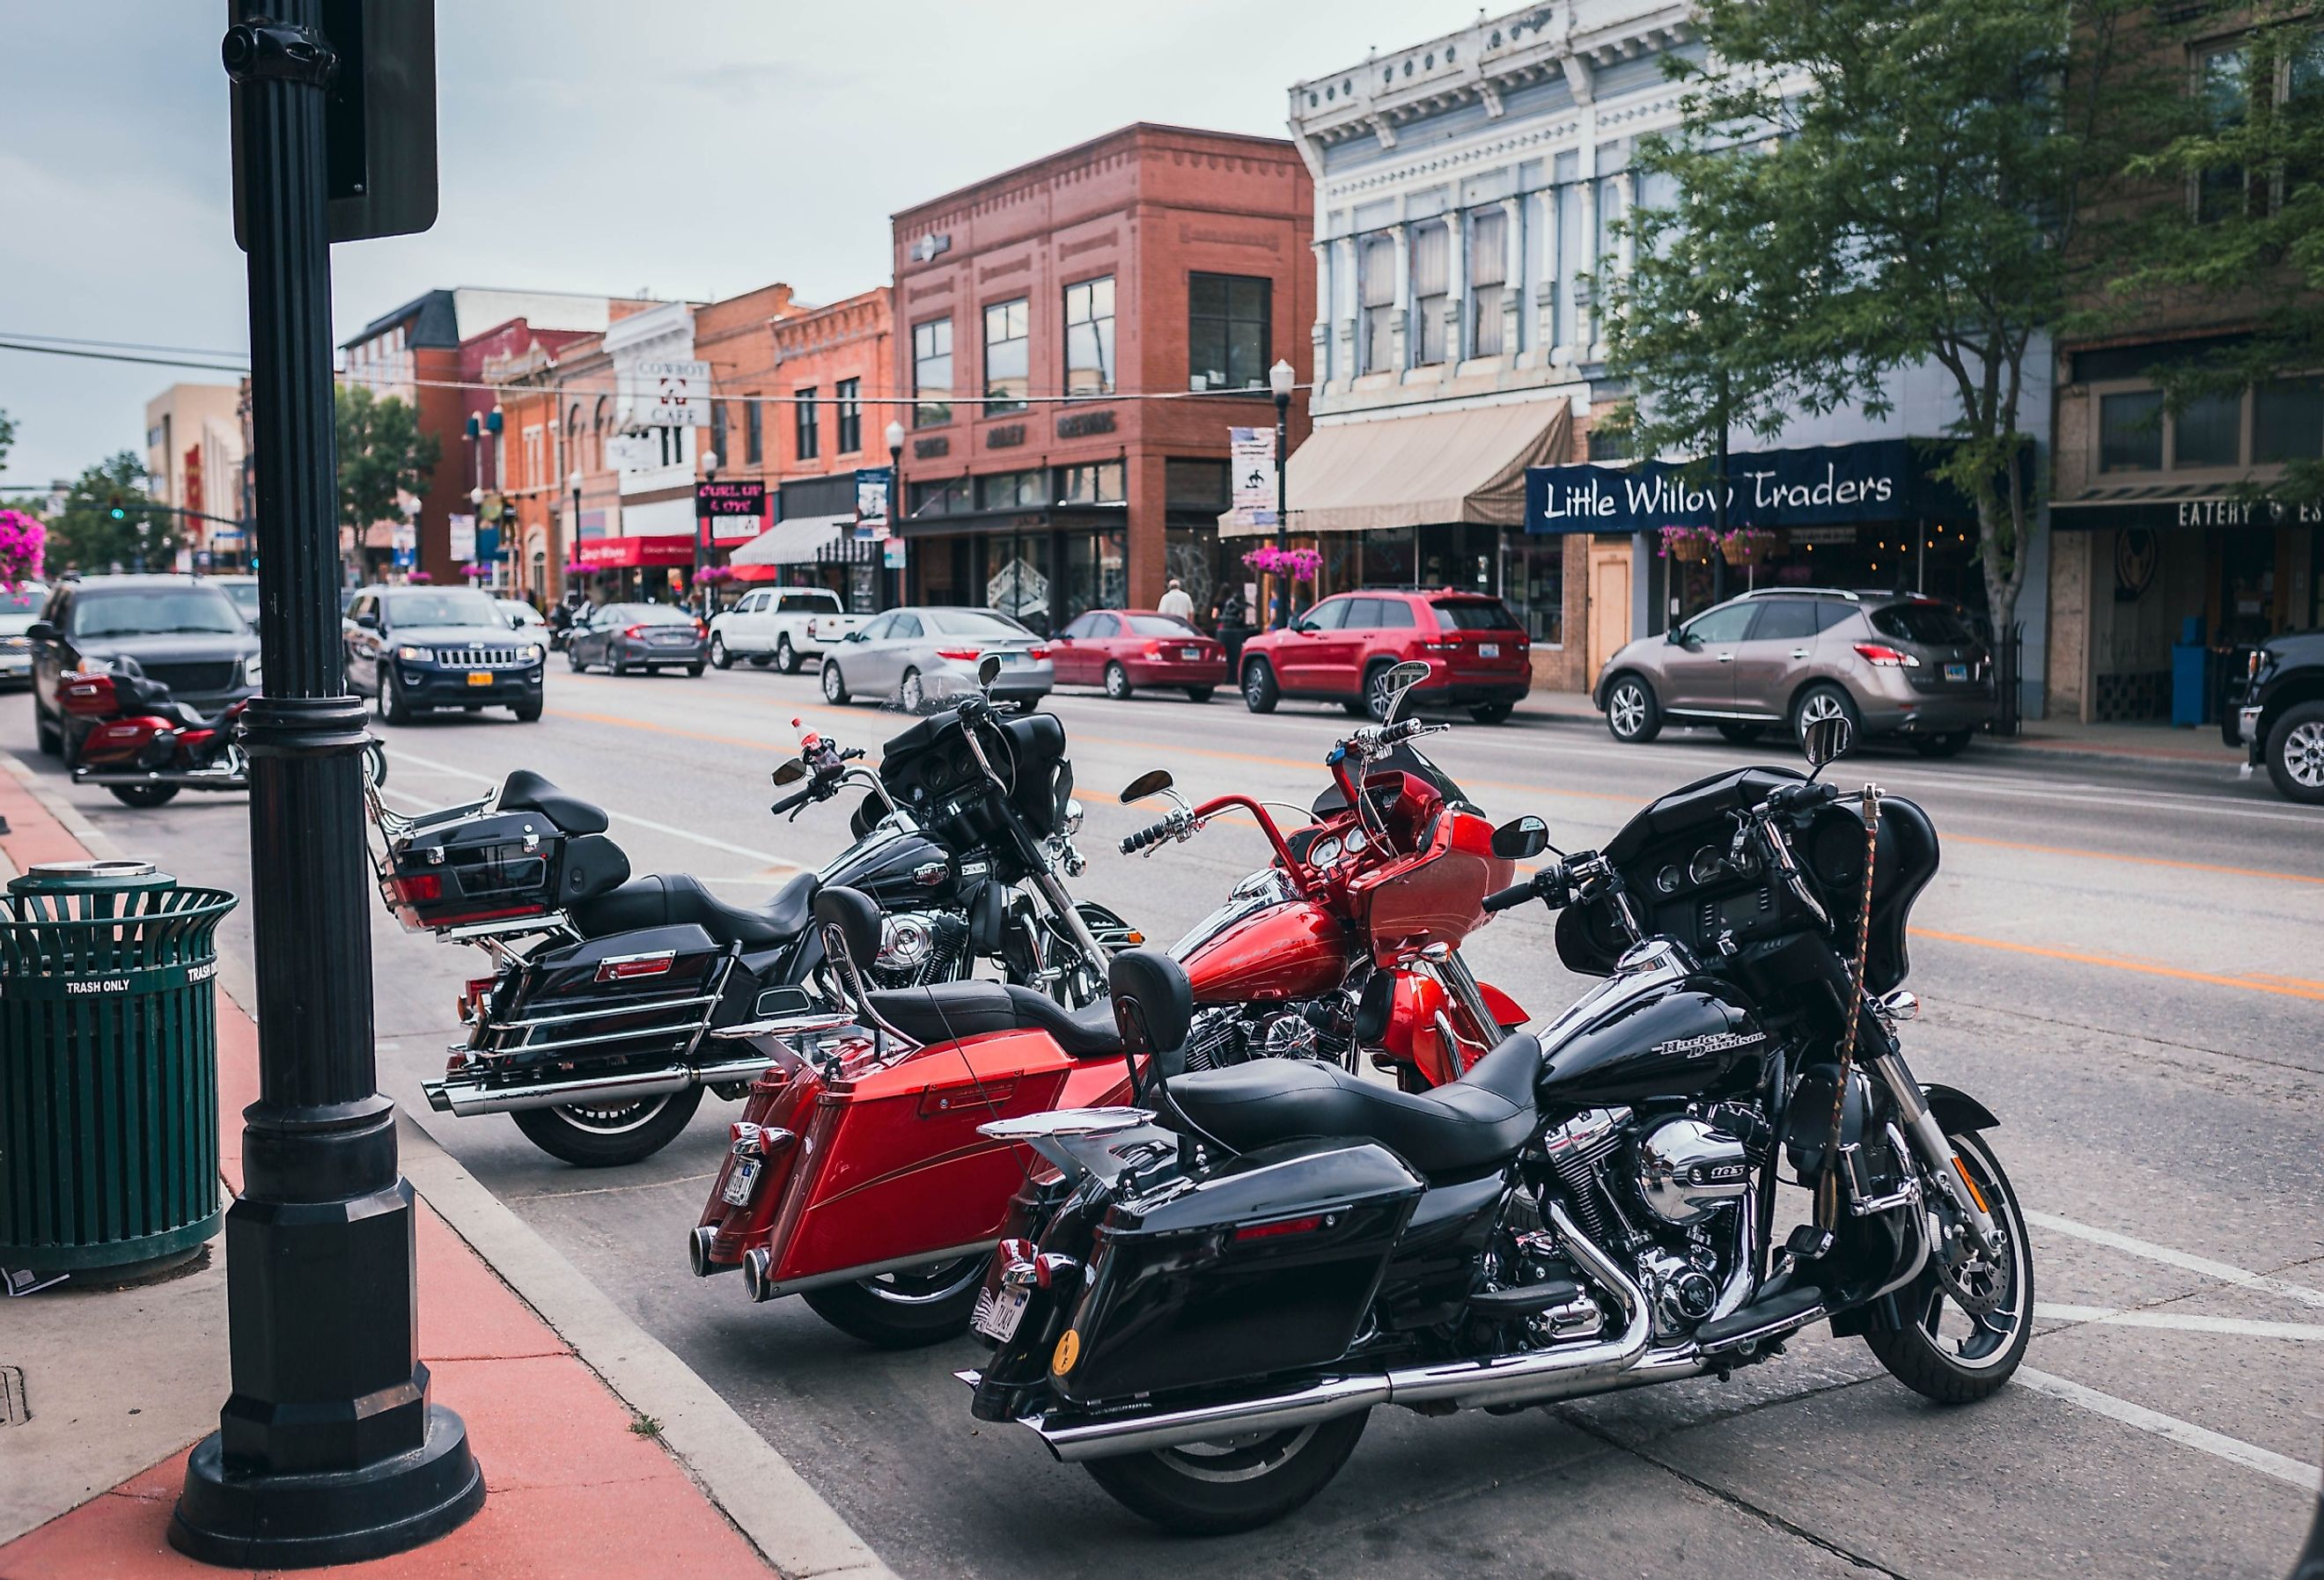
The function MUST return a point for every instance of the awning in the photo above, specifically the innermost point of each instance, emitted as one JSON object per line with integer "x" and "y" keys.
{"x": 630, "y": 553}
{"x": 2173, "y": 504}
{"x": 797, "y": 541}
{"x": 1420, "y": 470}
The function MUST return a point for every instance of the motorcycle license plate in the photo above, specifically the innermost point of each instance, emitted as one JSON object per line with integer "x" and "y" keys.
{"x": 1957, "y": 672}
{"x": 1489, "y": 650}
{"x": 997, "y": 1316}
{"x": 1190, "y": 652}
{"x": 736, "y": 1191}
{"x": 480, "y": 678}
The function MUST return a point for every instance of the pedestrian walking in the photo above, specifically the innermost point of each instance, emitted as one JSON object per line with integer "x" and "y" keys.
{"x": 1176, "y": 603}
{"x": 1231, "y": 621}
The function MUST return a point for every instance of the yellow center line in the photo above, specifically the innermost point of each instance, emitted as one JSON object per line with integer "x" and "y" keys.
{"x": 2291, "y": 987}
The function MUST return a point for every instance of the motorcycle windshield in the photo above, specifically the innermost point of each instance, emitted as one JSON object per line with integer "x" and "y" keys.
{"x": 1252, "y": 895}
{"x": 1410, "y": 759}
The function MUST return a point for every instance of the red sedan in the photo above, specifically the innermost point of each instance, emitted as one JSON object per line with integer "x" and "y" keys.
{"x": 1124, "y": 649}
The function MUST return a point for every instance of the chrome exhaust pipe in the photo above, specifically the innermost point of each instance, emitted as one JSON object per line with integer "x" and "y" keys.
{"x": 757, "y": 1262}
{"x": 466, "y": 1094}
{"x": 1503, "y": 1380}
{"x": 177, "y": 779}
{"x": 698, "y": 1254}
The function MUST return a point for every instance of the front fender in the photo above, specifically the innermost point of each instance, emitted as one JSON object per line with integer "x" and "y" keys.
{"x": 1506, "y": 1009}
{"x": 1956, "y": 1111}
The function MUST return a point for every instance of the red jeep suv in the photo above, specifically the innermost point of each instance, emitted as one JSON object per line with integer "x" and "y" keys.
{"x": 1341, "y": 649}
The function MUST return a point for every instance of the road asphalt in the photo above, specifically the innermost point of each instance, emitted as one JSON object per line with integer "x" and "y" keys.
{"x": 2120, "y": 959}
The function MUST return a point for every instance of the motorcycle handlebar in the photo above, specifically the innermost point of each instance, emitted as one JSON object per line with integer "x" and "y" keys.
{"x": 1155, "y": 834}
{"x": 1550, "y": 880}
{"x": 792, "y": 803}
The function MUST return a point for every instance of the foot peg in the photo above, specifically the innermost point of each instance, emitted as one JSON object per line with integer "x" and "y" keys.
{"x": 1808, "y": 1242}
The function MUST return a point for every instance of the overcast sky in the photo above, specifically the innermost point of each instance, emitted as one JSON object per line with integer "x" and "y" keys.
{"x": 687, "y": 150}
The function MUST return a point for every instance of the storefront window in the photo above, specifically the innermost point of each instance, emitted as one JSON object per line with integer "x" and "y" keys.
{"x": 2209, "y": 432}
{"x": 949, "y": 497}
{"x": 1012, "y": 491}
{"x": 1095, "y": 573}
{"x": 2288, "y": 420}
{"x": 1006, "y": 328}
{"x": 1227, "y": 331}
{"x": 1016, "y": 577}
{"x": 1100, "y": 484}
{"x": 1532, "y": 583}
{"x": 1089, "y": 338}
{"x": 2130, "y": 432}
{"x": 932, "y": 373}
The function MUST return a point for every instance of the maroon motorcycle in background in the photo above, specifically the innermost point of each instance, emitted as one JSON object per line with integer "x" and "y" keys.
{"x": 145, "y": 746}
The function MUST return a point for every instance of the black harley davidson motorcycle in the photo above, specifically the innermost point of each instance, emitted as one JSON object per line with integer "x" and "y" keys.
{"x": 615, "y": 1001}
{"x": 1247, "y": 1262}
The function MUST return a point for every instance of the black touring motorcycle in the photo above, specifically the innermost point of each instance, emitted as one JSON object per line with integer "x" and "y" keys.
{"x": 1243, "y": 1266}
{"x": 613, "y": 1000}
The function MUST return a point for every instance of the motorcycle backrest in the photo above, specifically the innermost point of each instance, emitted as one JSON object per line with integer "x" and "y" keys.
{"x": 851, "y": 915}
{"x": 1153, "y": 1003}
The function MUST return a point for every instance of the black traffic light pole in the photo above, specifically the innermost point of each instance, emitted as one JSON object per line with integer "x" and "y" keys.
{"x": 328, "y": 1449}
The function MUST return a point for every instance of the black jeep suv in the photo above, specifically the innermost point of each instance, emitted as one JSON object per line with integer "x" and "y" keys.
{"x": 2276, "y": 708}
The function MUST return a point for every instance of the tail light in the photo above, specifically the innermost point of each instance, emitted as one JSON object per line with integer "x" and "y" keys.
{"x": 1881, "y": 656}
{"x": 473, "y": 995}
{"x": 960, "y": 655}
{"x": 418, "y": 888}
{"x": 634, "y": 632}
{"x": 630, "y": 967}
{"x": 1153, "y": 649}
{"x": 701, "y": 630}
{"x": 88, "y": 695}
{"x": 1037, "y": 654}
{"x": 1281, "y": 1226}
{"x": 1050, "y": 1266}
{"x": 1439, "y": 647}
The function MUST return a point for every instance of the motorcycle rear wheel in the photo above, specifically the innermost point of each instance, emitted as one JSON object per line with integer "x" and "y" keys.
{"x": 1210, "y": 1489}
{"x": 904, "y": 1310}
{"x": 609, "y": 1135}
{"x": 142, "y": 795}
{"x": 1948, "y": 1352}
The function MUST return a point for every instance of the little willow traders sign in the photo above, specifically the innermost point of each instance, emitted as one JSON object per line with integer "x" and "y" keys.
{"x": 1884, "y": 480}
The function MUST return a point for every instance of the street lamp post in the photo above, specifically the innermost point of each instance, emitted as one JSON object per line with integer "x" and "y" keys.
{"x": 1282, "y": 378}
{"x": 329, "y": 1449}
{"x": 895, "y": 500}
{"x": 573, "y": 527}
{"x": 702, "y": 536}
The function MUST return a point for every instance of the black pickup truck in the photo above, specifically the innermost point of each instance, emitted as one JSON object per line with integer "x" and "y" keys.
{"x": 2275, "y": 710}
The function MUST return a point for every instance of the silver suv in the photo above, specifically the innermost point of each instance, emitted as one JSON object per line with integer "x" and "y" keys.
{"x": 1897, "y": 665}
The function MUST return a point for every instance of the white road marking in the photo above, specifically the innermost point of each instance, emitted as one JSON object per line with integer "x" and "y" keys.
{"x": 2224, "y": 1272}
{"x": 2233, "y": 1450}
{"x": 2183, "y": 1322}
{"x": 765, "y": 858}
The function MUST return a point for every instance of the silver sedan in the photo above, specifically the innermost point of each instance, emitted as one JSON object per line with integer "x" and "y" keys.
{"x": 923, "y": 657}
{"x": 628, "y": 637}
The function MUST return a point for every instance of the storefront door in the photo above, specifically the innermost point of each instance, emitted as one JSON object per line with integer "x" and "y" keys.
{"x": 1609, "y": 604}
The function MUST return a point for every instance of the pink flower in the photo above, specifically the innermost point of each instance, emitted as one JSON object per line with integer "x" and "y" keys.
{"x": 23, "y": 541}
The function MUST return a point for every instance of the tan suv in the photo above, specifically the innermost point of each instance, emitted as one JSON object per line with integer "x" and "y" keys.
{"x": 1896, "y": 664}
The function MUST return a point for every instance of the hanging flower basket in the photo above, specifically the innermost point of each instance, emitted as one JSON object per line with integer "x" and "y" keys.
{"x": 1749, "y": 546}
{"x": 475, "y": 572}
{"x": 1298, "y": 564}
{"x": 419, "y": 579}
{"x": 716, "y": 574}
{"x": 23, "y": 542}
{"x": 1689, "y": 545}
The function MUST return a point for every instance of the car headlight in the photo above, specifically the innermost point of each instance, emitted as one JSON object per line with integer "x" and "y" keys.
{"x": 416, "y": 654}
{"x": 530, "y": 652}
{"x": 251, "y": 674}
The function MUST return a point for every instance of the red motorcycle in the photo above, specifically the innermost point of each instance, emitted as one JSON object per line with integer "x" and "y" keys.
{"x": 148, "y": 746}
{"x": 857, "y": 1176}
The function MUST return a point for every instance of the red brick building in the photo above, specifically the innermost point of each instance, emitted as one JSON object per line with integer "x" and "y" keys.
{"x": 1036, "y": 311}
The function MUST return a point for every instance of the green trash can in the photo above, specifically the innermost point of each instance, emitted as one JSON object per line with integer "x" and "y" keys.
{"x": 108, "y": 1067}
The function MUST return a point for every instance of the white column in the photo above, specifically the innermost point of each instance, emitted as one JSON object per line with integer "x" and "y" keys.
{"x": 1347, "y": 307}
{"x": 1456, "y": 285}
{"x": 1320, "y": 335}
{"x": 1513, "y": 280}
{"x": 1399, "y": 352}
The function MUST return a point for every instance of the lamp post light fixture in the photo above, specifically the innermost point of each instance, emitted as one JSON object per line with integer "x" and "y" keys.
{"x": 1282, "y": 378}
{"x": 895, "y": 437}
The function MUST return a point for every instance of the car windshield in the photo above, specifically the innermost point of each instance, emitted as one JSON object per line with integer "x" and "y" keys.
{"x": 656, "y": 614}
{"x": 1159, "y": 626}
{"x": 973, "y": 623}
{"x": 244, "y": 594}
{"x": 23, "y": 601}
{"x": 1474, "y": 615}
{"x": 1931, "y": 624}
{"x": 452, "y": 608}
{"x": 522, "y": 612}
{"x": 155, "y": 611}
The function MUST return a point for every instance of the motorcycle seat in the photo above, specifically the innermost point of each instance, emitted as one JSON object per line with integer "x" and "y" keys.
{"x": 672, "y": 899}
{"x": 1462, "y": 1127}
{"x": 947, "y": 1010}
{"x": 526, "y": 791}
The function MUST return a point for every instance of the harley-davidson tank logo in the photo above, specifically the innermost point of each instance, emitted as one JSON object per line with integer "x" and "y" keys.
{"x": 1712, "y": 1042}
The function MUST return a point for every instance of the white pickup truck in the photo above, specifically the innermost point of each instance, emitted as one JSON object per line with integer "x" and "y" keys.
{"x": 785, "y": 624}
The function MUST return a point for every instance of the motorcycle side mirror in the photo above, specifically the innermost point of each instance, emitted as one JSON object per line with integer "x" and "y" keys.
{"x": 1152, "y": 782}
{"x": 790, "y": 772}
{"x": 988, "y": 670}
{"x": 1400, "y": 680}
{"x": 1826, "y": 741}
{"x": 1520, "y": 839}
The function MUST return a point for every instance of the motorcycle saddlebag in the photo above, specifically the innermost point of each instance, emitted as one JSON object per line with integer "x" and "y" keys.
{"x": 638, "y": 997}
{"x": 1266, "y": 1266}
{"x": 496, "y": 866}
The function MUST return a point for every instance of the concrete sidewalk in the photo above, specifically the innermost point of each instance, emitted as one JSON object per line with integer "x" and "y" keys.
{"x": 602, "y": 1455}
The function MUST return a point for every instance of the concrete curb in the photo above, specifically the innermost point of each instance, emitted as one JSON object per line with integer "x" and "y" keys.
{"x": 741, "y": 1475}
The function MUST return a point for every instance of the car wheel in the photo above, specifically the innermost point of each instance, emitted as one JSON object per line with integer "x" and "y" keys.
{"x": 2295, "y": 754}
{"x": 1200, "y": 693}
{"x": 835, "y": 690}
{"x": 1825, "y": 701}
{"x": 911, "y": 692}
{"x": 51, "y": 736}
{"x": 573, "y": 659}
{"x": 1117, "y": 682}
{"x": 1633, "y": 715}
{"x": 786, "y": 657}
{"x": 1492, "y": 713}
{"x": 392, "y": 707}
{"x": 619, "y": 666}
{"x": 527, "y": 713}
{"x": 1379, "y": 696}
{"x": 1951, "y": 745}
{"x": 695, "y": 670}
{"x": 1742, "y": 734}
{"x": 718, "y": 653}
{"x": 1260, "y": 692}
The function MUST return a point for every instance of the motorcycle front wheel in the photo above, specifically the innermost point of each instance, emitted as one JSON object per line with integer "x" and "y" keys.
{"x": 142, "y": 795}
{"x": 607, "y": 1135}
{"x": 1965, "y": 1330}
{"x": 1237, "y": 1484}
{"x": 907, "y": 1309}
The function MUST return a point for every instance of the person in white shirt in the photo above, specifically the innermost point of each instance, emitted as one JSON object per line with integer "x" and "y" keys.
{"x": 1176, "y": 603}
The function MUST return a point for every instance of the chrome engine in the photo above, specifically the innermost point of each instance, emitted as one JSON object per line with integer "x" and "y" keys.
{"x": 919, "y": 946}
{"x": 1229, "y": 1034}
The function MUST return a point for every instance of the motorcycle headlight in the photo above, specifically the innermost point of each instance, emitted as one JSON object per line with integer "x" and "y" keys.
{"x": 415, "y": 654}
{"x": 1073, "y": 818}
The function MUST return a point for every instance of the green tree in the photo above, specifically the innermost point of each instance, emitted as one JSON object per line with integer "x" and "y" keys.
{"x": 1865, "y": 185}
{"x": 381, "y": 452}
{"x": 2234, "y": 224}
{"x": 7, "y": 438}
{"x": 85, "y": 535}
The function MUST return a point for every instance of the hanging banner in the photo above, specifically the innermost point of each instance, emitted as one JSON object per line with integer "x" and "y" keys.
{"x": 1251, "y": 464}
{"x": 872, "y": 487}
{"x": 464, "y": 537}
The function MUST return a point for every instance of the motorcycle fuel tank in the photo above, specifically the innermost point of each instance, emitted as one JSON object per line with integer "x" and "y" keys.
{"x": 1290, "y": 948}
{"x": 1650, "y": 1031}
{"x": 885, "y": 865}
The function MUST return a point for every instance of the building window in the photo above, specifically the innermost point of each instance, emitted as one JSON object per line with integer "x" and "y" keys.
{"x": 1431, "y": 257}
{"x": 535, "y": 471}
{"x": 2209, "y": 432}
{"x": 849, "y": 395}
{"x": 2288, "y": 422}
{"x": 1227, "y": 331}
{"x": 1013, "y": 491}
{"x": 803, "y": 422}
{"x": 2130, "y": 432}
{"x": 1376, "y": 288}
{"x": 754, "y": 432}
{"x": 1089, "y": 338}
{"x": 1195, "y": 485}
{"x": 932, "y": 373}
{"x": 673, "y": 446}
{"x": 1102, "y": 482}
{"x": 947, "y": 497}
{"x": 1610, "y": 444}
{"x": 2223, "y": 88}
{"x": 1489, "y": 282}
{"x": 718, "y": 429}
{"x": 1008, "y": 326}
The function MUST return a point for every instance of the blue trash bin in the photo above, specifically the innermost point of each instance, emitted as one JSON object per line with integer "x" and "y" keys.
{"x": 2192, "y": 668}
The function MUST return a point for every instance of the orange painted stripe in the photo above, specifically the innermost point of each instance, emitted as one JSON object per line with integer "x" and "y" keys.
{"x": 2144, "y": 861}
{"x": 639, "y": 724}
{"x": 2291, "y": 987}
